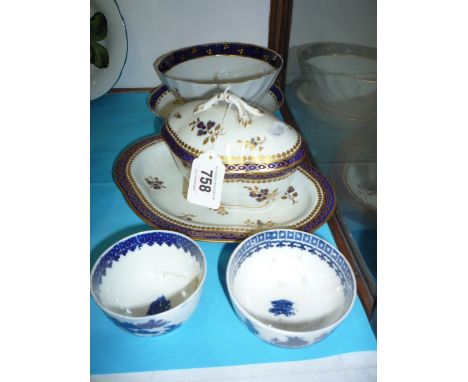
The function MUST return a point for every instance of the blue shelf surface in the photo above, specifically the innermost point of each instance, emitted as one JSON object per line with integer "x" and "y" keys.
{"x": 213, "y": 336}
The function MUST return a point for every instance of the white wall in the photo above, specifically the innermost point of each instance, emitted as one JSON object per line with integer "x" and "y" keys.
{"x": 349, "y": 21}
{"x": 155, "y": 27}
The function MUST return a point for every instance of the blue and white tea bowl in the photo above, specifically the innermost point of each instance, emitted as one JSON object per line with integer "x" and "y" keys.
{"x": 149, "y": 283}
{"x": 290, "y": 288}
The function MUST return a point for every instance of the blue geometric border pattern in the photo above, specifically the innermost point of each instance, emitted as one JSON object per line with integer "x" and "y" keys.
{"x": 241, "y": 170}
{"x": 140, "y": 208}
{"x": 304, "y": 242}
{"x": 137, "y": 241}
{"x": 237, "y": 49}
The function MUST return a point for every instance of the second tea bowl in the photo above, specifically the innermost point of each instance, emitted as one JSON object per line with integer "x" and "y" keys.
{"x": 290, "y": 288}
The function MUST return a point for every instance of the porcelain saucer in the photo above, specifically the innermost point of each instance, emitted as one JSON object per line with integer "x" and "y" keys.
{"x": 155, "y": 189}
{"x": 161, "y": 101}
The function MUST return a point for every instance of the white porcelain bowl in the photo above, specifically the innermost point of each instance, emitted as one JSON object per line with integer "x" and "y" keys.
{"x": 202, "y": 70}
{"x": 149, "y": 283}
{"x": 341, "y": 71}
{"x": 290, "y": 288}
{"x": 340, "y": 78}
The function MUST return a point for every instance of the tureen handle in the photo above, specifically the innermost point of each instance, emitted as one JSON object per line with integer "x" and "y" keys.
{"x": 243, "y": 108}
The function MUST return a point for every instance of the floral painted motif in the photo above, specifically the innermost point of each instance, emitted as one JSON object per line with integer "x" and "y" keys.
{"x": 260, "y": 224}
{"x": 221, "y": 210}
{"x": 151, "y": 327}
{"x": 151, "y": 324}
{"x": 211, "y": 129}
{"x": 187, "y": 217}
{"x": 282, "y": 307}
{"x": 291, "y": 342}
{"x": 165, "y": 330}
{"x": 177, "y": 115}
{"x": 262, "y": 194}
{"x": 290, "y": 194}
{"x": 154, "y": 182}
{"x": 254, "y": 143}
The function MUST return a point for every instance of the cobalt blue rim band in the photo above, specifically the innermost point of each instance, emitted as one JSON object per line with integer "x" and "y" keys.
{"x": 169, "y": 60}
{"x": 158, "y": 93}
{"x": 174, "y": 147}
{"x": 278, "y": 94}
{"x": 241, "y": 171}
{"x": 140, "y": 208}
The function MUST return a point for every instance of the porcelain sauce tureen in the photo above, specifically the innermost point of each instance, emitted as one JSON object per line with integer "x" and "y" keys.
{"x": 260, "y": 153}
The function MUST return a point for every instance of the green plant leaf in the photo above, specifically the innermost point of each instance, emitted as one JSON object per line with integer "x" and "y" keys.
{"x": 98, "y": 27}
{"x": 99, "y": 55}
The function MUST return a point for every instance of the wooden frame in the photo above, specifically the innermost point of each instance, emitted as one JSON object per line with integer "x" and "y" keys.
{"x": 278, "y": 33}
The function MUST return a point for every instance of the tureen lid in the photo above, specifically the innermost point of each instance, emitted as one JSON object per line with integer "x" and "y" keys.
{"x": 239, "y": 133}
